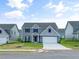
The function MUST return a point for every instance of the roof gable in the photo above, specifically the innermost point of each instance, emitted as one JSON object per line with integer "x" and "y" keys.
{"x": 75, "y": 25}
{"x": 35, "y": 26}
{"x": 7, "y": 27}
{"x": 3, "y": 32}
{"x": 44, "y": 25}
{"x": 41, "y": 25}
{"x": 52, "y": 33}
{"x": 61, "y": 31}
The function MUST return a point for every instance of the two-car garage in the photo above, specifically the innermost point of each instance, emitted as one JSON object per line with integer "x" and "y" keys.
{"x": 3, "y": 40}
{"x": 50, "y": 37}
{"x": 48, "y": 42}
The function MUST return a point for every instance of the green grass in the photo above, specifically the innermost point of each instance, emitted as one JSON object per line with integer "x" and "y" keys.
{"x": 21, "y": 45}
{"x": 70, "y": 43}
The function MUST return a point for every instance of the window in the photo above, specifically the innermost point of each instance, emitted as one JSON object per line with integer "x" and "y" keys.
{"x": 35, "y": 30}
{"x": 27, "y": 38}
{"x": 49, "y": 30}
{"x": 27, "y": 30}
{"x": 14, "y": 33}
{"x": 0, "y": 31}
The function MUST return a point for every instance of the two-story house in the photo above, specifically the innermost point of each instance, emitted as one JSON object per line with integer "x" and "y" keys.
{"x": 40, "y": 32}
{"x": 8, "y": 32}
{"x": 72, "y": 30}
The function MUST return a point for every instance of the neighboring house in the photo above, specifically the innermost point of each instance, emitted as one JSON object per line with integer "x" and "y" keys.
{"x": 37, "y": 32}
{"x": 72, "y": 30}
{"x": 61, "y": 32}
{"x": 20, "y": 33}
{"x": 8, "y": 32}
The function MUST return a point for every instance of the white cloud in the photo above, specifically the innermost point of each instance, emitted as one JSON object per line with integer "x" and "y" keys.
{"x": 18, "y": 4}
{"x": 60, "y": 7}
{"x": 49, "y": 5}
{"x": 59, "y": 15}
{"x": 13, "y": 14}
{"x": 74, "y": 17}
{"x": 38, "y": 20}
{"x": 32, "y": 15}
{"x": 13, "y": 17}
{"x": 61, "y": 23}
{"x": 30, "y": 1}
{"x": 76, "y": 8}
{"x": 76, "y": 5}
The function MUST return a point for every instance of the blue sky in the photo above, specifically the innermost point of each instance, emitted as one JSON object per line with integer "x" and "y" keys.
{"x": 20, "y": 11}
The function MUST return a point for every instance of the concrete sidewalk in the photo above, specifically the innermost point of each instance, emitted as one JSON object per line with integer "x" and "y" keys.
{"x": 28, "y": 50}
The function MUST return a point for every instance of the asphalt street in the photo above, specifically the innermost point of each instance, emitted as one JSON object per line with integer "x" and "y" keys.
{"x": 40, "y": 55}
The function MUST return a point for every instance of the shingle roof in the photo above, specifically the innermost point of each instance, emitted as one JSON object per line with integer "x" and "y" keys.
{"x": 61, "y": 31}
{"x": 42, "y": 25}
{"x": 20, "y": 31}
{"x": 75, "y": 25}
{"x": 7, "y": 27}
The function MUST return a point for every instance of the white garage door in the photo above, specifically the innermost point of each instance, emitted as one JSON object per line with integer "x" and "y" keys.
{"x": 3, "y": 40}
{"x": 49, "y": 40}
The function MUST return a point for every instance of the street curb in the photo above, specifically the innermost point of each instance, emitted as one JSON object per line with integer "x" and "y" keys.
{"x": 10, "y": 50}
{"x": 29, "y": 50}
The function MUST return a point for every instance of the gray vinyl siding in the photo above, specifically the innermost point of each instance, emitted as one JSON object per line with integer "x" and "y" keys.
{"x": 52, "y": 33}
{"x": 41, "y": 30}
{"x": 24, "y": 34}
{"x": 69, "y": 31}
{"x": 3, "y": 34}
{"x": 14, "y": 33}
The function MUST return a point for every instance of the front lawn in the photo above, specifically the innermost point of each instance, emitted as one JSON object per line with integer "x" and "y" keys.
{"x": 70, "y": 43}
{"x": 21, "y": 45}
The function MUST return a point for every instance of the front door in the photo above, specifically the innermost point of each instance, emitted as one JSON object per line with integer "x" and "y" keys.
{"x": 35, "y": 38}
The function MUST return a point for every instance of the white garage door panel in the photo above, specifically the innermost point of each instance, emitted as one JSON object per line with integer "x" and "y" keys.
{"x": 3, "y": 40}
{"x": 49, "y": 40}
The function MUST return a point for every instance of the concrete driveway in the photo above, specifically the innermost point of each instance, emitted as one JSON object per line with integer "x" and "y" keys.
{"x": 55, "y": 46}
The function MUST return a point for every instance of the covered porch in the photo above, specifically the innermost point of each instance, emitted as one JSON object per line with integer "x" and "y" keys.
{"x": 37, "y": 38}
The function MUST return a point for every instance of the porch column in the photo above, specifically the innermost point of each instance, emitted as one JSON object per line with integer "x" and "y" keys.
{"x": 32, "y": 38}
{"x": 38, "y": 38}
{"x": 77, "y": 36}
